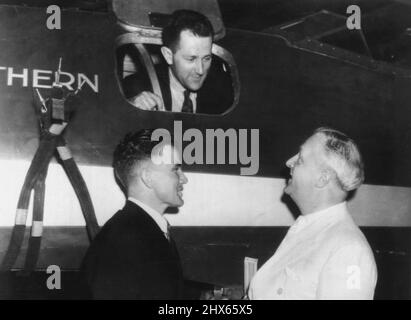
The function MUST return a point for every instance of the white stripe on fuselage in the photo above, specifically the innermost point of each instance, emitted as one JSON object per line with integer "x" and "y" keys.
{"x": 210, "y": 199}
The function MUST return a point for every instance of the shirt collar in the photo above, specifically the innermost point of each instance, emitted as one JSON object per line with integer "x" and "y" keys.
{"x": 157, "y": 217}
{"x": 329, "y": 214}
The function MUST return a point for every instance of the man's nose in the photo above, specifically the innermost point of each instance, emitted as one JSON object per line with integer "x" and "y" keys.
{"x": 290, "y": 162}
{"x": 183, "y": 178}
{"x": 200, "y": 67}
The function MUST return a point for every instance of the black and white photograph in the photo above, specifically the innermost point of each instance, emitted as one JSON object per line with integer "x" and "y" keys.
{"x": 205, "y": 150}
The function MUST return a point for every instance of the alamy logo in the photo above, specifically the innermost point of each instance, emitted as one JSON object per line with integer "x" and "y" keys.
{"x": 54, "y": 280}
{"x": 54, "y": 20}
{"x": 211, "y": 148}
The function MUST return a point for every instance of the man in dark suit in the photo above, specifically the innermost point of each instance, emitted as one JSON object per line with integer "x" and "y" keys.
{"x": 133, "y": 256}
{"x": 190, "y": 81}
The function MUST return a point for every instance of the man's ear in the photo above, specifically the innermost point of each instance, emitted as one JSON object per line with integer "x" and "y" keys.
{"x": 324, "y": 178}
{"x": 146, "y": 176}
{"x": 167, "y": 54}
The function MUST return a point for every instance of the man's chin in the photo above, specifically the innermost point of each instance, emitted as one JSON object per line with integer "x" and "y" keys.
{"x": 194, "y": 88}
{"x": 174, "y": 207}
{"x": 287, "y": 189}
{"x": 180, "y": 202}
{"x": 195, "y": 85}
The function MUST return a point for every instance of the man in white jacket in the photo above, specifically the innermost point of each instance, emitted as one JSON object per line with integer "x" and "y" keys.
{"x": 324, "y": 254}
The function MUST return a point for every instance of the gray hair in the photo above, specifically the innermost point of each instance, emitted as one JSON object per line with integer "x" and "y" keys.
{"x": 343, "y": 157}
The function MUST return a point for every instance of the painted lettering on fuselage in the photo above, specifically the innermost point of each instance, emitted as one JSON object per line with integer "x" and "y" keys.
{"x": 40, "y": 78}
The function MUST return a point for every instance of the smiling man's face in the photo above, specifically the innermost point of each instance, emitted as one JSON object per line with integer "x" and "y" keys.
{"x": 168, "y": 178}
{"x": 191, "y": 60}
{"x": 305, "y": 170}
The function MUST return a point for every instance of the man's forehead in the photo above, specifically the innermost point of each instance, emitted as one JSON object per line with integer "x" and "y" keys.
{"x": 313, "y": 144}
{"x": 187, "y": 39}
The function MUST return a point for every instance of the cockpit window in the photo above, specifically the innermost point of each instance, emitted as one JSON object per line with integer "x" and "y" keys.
{"x": 384, "y": 34}
{"x": 142, "y": 68}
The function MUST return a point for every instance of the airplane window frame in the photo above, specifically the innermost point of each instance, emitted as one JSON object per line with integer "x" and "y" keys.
{"x": 139, "y": 40}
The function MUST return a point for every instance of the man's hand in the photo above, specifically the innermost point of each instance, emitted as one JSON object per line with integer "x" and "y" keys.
{"x": 147, "y": 100}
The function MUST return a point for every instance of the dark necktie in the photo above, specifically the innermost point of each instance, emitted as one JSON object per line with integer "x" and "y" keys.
{"x": 168, "y": 231}
{"x": 187, "y": 104}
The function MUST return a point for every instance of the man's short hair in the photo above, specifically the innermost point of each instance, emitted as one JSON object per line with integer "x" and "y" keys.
{"x": 131, "y": 151}
{"x": 343, "y": 156}
{"x": 182, "y": 20}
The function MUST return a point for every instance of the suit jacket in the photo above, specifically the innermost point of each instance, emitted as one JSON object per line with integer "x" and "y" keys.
{"x": 323, "y": 256}
{"x": 214, "y": 97}
{"x": 131, "y": 258}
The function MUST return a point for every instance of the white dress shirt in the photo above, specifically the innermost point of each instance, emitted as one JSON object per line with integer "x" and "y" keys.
{"x": 323, "y": 256}
{"x": 155, "y": 215}
{"x": 177, "y": 94}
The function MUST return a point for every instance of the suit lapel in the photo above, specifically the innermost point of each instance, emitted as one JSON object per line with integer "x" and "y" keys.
{"x": 169, "y": 246}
